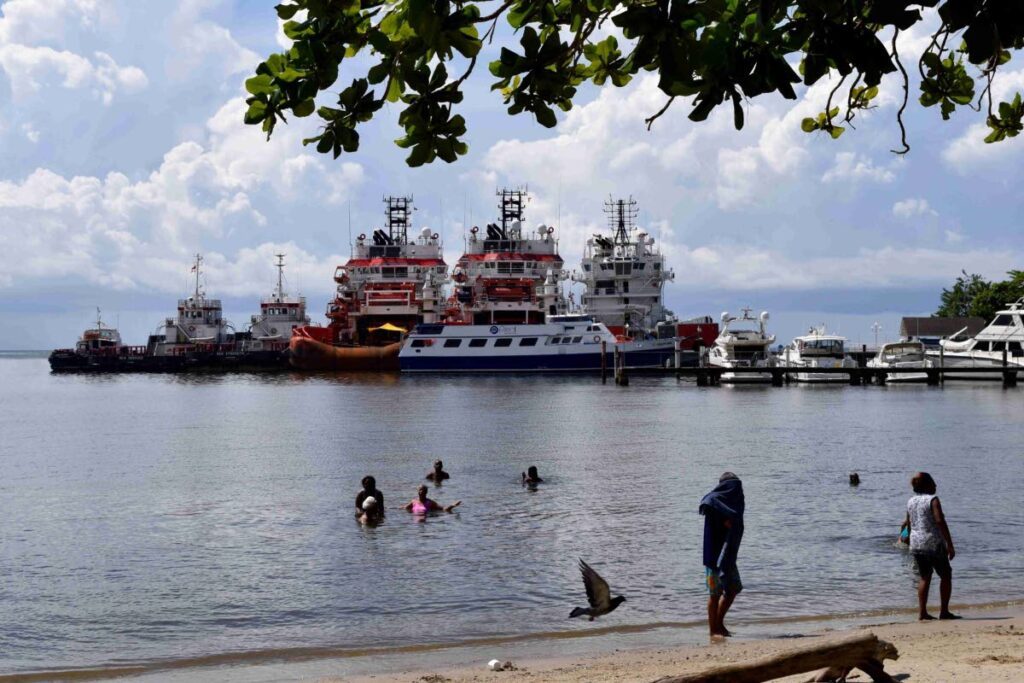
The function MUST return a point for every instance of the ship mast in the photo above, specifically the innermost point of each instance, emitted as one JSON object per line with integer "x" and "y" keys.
{"x": 280, "y": 277}
{"x": 622, "y": 215}
{"x": 197, "y": 268}
{"x": 399, "y": 215}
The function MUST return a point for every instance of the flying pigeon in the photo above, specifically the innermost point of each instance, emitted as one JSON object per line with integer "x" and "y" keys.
{"x": 598, "y": 594}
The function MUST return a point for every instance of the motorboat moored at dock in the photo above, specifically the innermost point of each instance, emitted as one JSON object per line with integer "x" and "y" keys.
{"x": 904, "y": 355}
{"x": 1002, "y": 340}
{"x": 817, "y": 349}
{"x": 744, "y": 342}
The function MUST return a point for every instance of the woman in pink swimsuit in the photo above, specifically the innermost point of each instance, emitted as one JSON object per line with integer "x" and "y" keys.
{"x": 421, "y": 505}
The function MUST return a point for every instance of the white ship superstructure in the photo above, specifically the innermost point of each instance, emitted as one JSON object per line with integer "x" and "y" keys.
{"x": 508, "y": 275}
{"x": 624, "y": 274}
{"x": 818, "y": 349}
{"x": 280, "y": 313}
{"x": 744, "y": 342}
{"x": 391, "y": 283}
{"x": 1003, "y": 337}
{"x": 199, "y": 323}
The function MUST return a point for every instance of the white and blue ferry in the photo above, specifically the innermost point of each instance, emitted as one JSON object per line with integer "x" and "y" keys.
{"x": 564, "y": 343}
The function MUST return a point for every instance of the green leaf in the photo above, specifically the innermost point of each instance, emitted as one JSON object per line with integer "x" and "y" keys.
{"x": 808, "y": 125}
{"x": 286, "y": 11}
{"x": 257, "y": 112}
{"x": 836, "y": 131}
{"x": 304, "y": 108}
{"x": 260, "y": 85}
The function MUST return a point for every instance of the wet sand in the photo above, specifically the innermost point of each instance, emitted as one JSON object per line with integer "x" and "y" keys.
{"x": 986, "y": 646}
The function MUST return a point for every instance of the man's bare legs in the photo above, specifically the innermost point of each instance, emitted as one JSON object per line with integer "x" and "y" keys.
{"x": 717, "y": 609}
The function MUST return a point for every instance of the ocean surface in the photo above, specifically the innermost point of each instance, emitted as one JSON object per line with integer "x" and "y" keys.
{"x": 155, "y": 518}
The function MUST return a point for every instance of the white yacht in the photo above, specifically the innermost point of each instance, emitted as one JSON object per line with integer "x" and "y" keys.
{"x": 904, "y": 355}
{"x": 818, "y": 349}
{"x": 1005, "y": 334}
{"x": 743, "y": 343}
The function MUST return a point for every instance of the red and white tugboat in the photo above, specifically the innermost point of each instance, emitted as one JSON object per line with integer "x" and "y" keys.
{"x": 280, "y": 315}
{"x": 391, "y": 283}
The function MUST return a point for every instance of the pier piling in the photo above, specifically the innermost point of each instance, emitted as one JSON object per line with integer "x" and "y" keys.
{"x": 604, "y": 362}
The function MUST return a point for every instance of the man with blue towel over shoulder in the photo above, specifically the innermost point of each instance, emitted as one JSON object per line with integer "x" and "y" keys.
{"x": 723, "y": 531}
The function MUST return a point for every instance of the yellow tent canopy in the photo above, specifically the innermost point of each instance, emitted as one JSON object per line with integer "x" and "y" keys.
{"x": 388, "y": 327}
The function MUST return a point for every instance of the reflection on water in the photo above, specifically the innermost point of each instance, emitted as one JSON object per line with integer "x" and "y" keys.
{"x": 169, "y": 516}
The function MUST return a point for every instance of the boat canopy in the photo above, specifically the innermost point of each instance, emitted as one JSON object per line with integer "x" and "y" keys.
{"x": 388, "y": 327}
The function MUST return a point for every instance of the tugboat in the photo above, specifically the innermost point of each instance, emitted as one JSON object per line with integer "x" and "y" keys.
{"x": 743, "y": 343}
{"x": 197, "y": 335}
{"x": 624, "y": 275}
{"x": 507, "y": 313}
{"x": 98, "y": 350}
{"x": 280, "y": 315}
{"x": 390, "y": 284}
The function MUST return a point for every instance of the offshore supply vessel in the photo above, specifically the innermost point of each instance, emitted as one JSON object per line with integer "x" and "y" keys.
{"x": 391, "y": 283}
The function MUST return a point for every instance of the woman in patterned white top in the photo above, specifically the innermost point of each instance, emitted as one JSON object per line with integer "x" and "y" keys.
{"x": 930, "y": 544}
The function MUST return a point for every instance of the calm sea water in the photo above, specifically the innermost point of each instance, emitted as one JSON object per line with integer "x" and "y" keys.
{"x": 159, "y": 517}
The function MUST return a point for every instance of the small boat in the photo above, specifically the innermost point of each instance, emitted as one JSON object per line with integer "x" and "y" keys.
{"x": 818, "y": 349}
{"x": 904, "y": 355}
{"x": 1003, "y": 337}
{"x": 743, "y": 343}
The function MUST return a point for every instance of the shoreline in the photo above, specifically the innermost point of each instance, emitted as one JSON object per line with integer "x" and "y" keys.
{"x": 553, "y": 652}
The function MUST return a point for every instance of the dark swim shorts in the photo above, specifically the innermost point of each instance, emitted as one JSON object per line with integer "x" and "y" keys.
{"x": 938, "y": 562}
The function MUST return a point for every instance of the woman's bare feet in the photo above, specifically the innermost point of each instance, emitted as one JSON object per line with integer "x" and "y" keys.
{"x": 925, "y": 617}
{"x": 949, "y": 615}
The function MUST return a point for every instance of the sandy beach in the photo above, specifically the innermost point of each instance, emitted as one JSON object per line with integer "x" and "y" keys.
{"x": 987, "y": 645}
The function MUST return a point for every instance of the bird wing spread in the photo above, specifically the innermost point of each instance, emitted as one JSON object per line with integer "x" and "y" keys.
{"x": 598, "y": 593}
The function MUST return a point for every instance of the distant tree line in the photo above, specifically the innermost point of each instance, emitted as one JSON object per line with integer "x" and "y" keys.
{"x": 972, "y": 295}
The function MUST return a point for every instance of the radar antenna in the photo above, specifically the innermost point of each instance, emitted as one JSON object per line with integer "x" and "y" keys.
{"x": 621, "y": 218}
{"x": 280, "y": 276}
{"x": 398, "y": 216}
{"x": 512, "y": 206}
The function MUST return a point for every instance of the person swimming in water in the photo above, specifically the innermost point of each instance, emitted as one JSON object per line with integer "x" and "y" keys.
{"x": 421, "y": 505}
{"x": 369, "y": 491}
{"x": 437, "y": 475}
{"x": 530, "y": 476}
{"x": 372, "y": 512}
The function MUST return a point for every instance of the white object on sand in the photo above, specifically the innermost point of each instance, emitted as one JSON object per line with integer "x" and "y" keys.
{"x": 494, "y": 665}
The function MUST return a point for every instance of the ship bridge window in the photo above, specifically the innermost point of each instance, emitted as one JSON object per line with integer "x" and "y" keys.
{"x": 503, "y": 342}
{"x": 452, "y": 343}
{"x": 606, "y": 266}
{"x": 981, "y": 346}
{"x": 623, "y": 268}
{"x": 577, "y": 340}
{"x": 605, "y": 284}
{"x": 418, "y": 343}
{"x": 639, "y": 266}
{"x": 998, "y": 345}
{"x": 477, "y": 343}
{"x": 528, "y": 341}
{"x": 510, "y": 267}
{"x": 586, "y": 267}
{"x": 397, "y": 272}
{"x": 1003, "y": 320}
{"x": 1014, "y": 348}
{"x": 440, "y": 270}
{"x": 567, "y": 340}
{"x": 657, "y": 266}
{"x": 556, "y": 340}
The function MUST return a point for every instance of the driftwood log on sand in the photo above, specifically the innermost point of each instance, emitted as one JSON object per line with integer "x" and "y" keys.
{"x": 838, "y": 656}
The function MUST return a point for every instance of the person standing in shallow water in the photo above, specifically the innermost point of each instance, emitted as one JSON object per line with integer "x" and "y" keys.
{"x": 723, "y": 510}
{"x": 437, "y": 475}
{"x": 930, "y": 544}
{"x": 369, "y": 491}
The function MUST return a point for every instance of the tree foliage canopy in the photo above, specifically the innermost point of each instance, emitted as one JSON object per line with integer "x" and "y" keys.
{"x": 712, "y": 52}
{"x": 973, "y": 295}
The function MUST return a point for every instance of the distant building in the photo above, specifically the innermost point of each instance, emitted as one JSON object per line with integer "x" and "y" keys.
{"x": 931, "y": 330}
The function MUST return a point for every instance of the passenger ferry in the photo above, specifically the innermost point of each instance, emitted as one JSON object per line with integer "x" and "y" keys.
{"x": 1004, "y": 336}
{"x": 564, "y": 343}
{"x": 392, "y": 282}
{"x": 818, "y": 349}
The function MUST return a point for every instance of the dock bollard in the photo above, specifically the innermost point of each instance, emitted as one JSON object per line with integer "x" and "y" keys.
{"x": 604, "y": 362}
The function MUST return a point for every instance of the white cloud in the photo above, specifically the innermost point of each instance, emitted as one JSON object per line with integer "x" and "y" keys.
{"x": 851, "y": 167}
{"x": 30, "y": 132}
{"x": 908, "y": 208}
{"x": 30, "y": 69}
{"x": 954, "y": 237}
{"x": 968, "y": 151}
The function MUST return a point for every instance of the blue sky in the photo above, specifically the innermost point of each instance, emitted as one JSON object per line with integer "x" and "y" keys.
{"x": 122, "y": 152}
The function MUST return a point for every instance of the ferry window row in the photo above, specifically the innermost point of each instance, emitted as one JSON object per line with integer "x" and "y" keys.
{"x": 500, "y": 342}
{"x": 1013, "y": 347}
{"x": 278, "y": 311}
{"x": 397, "y": 271}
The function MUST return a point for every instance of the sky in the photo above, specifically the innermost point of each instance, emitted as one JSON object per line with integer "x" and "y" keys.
{"x": 123, "y": 153}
